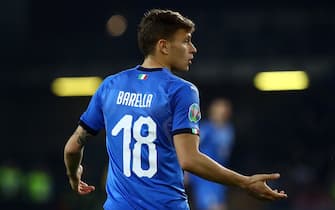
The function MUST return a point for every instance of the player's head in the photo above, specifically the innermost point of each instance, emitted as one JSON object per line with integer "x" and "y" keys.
{"x": 166, "y": 35}
{"x": 220, "y": 110}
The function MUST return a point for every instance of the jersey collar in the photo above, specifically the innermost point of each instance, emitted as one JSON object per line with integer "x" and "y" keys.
{"x": 141, "y": 68}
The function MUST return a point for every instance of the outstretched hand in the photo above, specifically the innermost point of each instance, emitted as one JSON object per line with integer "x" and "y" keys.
{"x": 257, "y": 187}
{"x": 79, "y": 186}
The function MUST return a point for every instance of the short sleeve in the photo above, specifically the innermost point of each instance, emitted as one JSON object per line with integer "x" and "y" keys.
{"x": 186, "y": 110}
{"x": 92, "y": 119}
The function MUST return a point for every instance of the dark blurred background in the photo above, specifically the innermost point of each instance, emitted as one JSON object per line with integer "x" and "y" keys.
{"x": 290, "y": 132}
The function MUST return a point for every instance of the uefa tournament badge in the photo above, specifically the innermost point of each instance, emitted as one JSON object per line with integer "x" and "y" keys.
{"x": 194, "y": 114}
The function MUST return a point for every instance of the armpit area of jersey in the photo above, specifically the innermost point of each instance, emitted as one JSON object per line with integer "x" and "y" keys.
{"x": 88, "y": 128}
{"x": 194, "y": 131}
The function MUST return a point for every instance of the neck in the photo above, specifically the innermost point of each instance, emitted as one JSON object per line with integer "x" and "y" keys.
{"x": 153, "y": 62}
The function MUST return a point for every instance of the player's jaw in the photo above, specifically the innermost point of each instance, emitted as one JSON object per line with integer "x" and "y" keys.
{"x": 182, "y": 64}
{"x": 182, "y": 60}
{"x": 188, "y": 62}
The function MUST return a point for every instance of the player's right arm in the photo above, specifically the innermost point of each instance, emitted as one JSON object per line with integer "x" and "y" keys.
{"x": 73, "y": 154}
{"x": 91, "y": 121}
{"x": 192, "y": 160}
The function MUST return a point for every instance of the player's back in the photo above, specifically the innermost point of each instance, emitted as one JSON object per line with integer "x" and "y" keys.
{"x": 138, "y": 107}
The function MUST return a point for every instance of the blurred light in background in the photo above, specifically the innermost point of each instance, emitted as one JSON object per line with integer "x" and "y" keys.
{"x": 75, "y": 86}
{"x": 10, "y": 182}
{"x": 39, "y": 186}
{"x": 281, "y": 80}
{"x": 116, "y": 25}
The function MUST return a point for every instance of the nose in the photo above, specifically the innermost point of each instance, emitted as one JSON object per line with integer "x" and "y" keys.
{"x": 193, "y": 49}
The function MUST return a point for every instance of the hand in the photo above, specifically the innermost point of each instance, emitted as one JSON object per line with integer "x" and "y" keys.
{"x": 79, "y": 186}
{"x": 257, "y": 187}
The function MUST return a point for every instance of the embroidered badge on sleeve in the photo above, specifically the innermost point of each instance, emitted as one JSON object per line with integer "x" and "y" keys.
{"x": 194, "y": 114}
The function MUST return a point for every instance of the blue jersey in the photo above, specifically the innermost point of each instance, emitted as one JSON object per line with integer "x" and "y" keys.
{"x": 141, "y": 109}
{"x": 216, "y": 142}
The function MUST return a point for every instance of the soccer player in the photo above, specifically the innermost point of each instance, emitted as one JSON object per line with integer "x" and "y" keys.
{"x": 151, "y": 121}
{"x": 216, "y": 141}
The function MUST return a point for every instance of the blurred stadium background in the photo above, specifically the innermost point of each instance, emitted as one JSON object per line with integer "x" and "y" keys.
{"x": 286, "y": 131}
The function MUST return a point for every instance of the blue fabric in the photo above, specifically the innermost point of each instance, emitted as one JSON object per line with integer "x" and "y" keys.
{"x": 140, "y": 110}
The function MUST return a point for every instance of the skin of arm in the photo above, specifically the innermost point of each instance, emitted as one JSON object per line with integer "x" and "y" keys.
{"x": 192, "y": 160}
{"x": 73, "y": 154}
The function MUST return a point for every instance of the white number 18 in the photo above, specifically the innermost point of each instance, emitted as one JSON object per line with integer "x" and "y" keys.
{"x": 126, "y": 124}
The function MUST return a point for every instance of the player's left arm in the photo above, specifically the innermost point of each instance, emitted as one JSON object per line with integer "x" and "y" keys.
{"x": 73, "y": 154}
{"x": 192, "y": 160}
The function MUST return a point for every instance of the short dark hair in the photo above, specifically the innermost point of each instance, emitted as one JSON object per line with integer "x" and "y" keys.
{"x": 160, "y": 24}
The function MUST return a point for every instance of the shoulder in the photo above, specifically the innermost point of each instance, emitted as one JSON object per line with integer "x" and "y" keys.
{"x": 111, "y": 80}
{"x": 112, "y": 77}
{"x": 180, "y": 84}
{"x": 119, "y": 74}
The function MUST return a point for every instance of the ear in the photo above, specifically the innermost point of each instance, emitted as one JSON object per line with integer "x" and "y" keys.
{"x": 163, "y": 46}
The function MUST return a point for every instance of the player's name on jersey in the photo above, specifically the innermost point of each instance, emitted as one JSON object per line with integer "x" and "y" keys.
{"x": 134, "y": 99}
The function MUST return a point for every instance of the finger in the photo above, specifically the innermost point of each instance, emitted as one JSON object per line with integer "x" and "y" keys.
{"x": 280, "y": 192}
{"x": 82, "y": 192}
{"x": 276, "y": 195}
{"x": 270, "y": 176}
{"x": 85, "y": 187}
{"x": 86, "y": 190}
{"x": 273, "y": 194}
{"x": 83, "y": 183}
{"x": 89, "y": 187}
